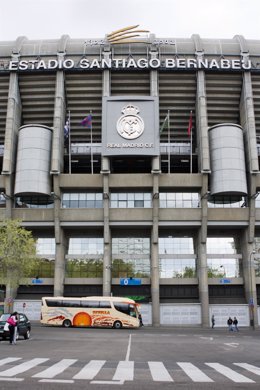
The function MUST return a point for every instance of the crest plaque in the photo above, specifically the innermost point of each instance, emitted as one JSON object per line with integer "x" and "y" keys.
{"x": 130, "y": 125}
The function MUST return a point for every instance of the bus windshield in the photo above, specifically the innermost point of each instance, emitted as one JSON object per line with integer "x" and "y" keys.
{"x": 111, "y": 312}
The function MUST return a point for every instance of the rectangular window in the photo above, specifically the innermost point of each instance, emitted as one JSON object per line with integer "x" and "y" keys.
{"x": 179, "y": 199}
{"x": 82, "y": 200}
{"x": 131, "y": 200}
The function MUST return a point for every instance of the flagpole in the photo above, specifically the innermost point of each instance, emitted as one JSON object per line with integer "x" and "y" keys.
{"x": 169, "y": 156}
{"x": 190, "y": 124}
{"x": 91, "y": 150}
{"x": 69, "y": 147}
{"x": 191, "y": 150}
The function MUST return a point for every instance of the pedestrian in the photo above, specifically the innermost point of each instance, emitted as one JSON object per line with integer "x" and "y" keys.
{"x": 235, "y": 322}
{"x": 12, "y": 324}
{"x": 212, "y": 321}
{"x": 140, "y": 319}
{"x": 16, "y": 328}
{"x": 230, "y": 323}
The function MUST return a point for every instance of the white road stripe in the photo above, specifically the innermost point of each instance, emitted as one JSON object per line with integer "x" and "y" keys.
{"x": 159, "y": 372}
{"x": 90, "y": 370}
{"x": 128, "y": 348}
{"x": 249, "y": 367}
{"x": 12, "y": 379}
{"x": 56, "y": 369}
{"x": 107, "y": 382}
{"x": 8, "y": 360}
{"x": 22, "y": 367}
{"x": 124, "y": 371}
{"x": 194, "y": 373}
{"x": 230, "y": 374}
{"x": 56, "y": 380}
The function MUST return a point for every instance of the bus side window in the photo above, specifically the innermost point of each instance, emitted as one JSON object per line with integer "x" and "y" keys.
{"x": 105, "y": 304}
{"x": 52, "y": 303}
{"x": 90, "y": 304}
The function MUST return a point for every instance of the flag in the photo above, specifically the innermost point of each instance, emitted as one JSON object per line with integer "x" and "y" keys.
{"x": 165, "y": 123}
{"x": 190, "y": 124}
{"x": 87, "y": 121}
{"x": 67, "y": 129}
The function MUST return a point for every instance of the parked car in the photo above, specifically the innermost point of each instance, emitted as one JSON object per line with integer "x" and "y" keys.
{"x": 24, "y": 326}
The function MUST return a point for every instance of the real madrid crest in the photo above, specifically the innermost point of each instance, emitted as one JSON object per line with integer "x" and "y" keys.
{"x": 130, "y": 125}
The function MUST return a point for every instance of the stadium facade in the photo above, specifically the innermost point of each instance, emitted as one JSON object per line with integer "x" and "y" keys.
{"x": 135, "y": 163}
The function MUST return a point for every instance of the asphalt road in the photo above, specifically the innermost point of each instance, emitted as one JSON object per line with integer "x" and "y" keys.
{"x": 145, "y": 358}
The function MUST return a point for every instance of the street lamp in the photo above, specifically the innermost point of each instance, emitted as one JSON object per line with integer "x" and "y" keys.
{"x": 251, "y": 300}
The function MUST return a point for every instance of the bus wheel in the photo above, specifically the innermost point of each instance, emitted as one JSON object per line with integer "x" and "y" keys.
{"x": 117, "y": 325}
{"x": 66, "y": 324}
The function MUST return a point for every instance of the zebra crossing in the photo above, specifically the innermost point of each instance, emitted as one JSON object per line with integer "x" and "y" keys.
{"x": 102, "y": 371}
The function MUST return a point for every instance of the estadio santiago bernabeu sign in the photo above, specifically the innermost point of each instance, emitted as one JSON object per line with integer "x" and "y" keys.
{"x": 129, "y": 36}
{"x": 170, "y": 63}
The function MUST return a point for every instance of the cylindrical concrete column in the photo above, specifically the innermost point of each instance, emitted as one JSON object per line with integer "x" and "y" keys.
{"x": 228, "y": 173}
{"x": 33, "y": 161}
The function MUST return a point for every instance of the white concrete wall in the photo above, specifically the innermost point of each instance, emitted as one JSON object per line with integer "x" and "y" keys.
{"x": 32, "y": 308}
{"x": 223, "y": 312}
{"x": 170, "y": 314}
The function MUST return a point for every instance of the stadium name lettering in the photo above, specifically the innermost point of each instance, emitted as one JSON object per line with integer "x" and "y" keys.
{"x": 141, "y": 63}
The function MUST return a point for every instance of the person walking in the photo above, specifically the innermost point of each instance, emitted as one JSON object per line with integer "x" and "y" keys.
{"x": 235, "y": 322}
{"x": 212, "y": 321}
{"x": 230, "y": 323}
{"x": 12, "y": 322}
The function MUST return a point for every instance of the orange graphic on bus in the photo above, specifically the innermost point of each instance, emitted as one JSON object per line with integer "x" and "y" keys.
{"x": 82, "y": 319}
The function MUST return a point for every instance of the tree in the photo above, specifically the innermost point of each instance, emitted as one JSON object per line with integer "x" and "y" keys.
{"x": 189, "y": 272}
{"x": 17, "y": 253}
{"x": 214, "y": 273}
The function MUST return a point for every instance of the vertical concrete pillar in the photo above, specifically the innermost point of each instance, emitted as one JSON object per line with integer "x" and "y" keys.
{"x": 247, "y": 121}
{"x": 107, "y": 262}
{"x": 204, "y": 167}
{"x": 247, "y": 114}
{"x": 60, "y": 242}
{"x": 56, "y": 168}
{"x": 155, "y": 275}
{"x": 58, "y": 125}
{"x": 13, "y": 122}
{"x": 202, "y": 124}
{"x": 60, "y": 263}
{"x": 203, "y": 280}
{"x": 249, "y": 277}
{"x": 201, "y": 111}
{"x": 202, "y": 266}
{"x": 9, "y": 200}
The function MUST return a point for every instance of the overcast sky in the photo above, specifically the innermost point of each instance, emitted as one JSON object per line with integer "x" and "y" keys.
{"x": 41, "y": 19}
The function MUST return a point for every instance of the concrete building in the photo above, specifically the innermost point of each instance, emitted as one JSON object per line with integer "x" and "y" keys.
{"x": 155, "y": 194}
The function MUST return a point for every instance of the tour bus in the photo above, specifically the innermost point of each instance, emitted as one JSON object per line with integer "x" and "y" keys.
{"x": 114, "y": 312}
